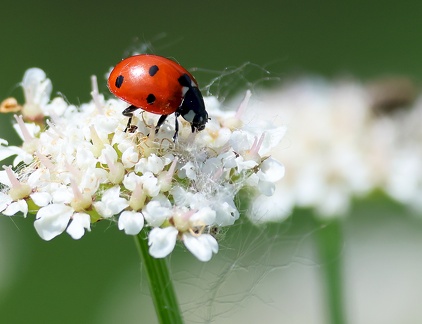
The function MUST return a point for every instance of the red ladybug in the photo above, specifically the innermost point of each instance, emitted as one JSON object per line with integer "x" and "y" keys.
{"x": 160, "y": 86}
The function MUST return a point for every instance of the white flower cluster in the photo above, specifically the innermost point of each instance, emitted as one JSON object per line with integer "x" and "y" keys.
{"x": 76, "y": 166}
{"x": 340, "y": 144}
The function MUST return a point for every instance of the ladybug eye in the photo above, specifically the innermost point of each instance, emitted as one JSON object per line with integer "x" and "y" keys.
{"x": 150, "y": 99}
{"x": 119, "y": 81}
{"x": 153, "y": 70}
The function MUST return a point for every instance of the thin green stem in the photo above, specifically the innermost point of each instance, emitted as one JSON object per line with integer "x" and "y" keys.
{"x": 330, "y": 248}
{"x": 160, "y": 284}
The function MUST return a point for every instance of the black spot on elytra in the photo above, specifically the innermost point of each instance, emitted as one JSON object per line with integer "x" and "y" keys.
{"x": 153, "y": 70}
{"x": 150, "y": 99}
{"x": 119, "y": 81}
{"x": 185, "y": 81}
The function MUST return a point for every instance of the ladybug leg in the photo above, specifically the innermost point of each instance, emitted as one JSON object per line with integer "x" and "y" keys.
{"x": 160, "y": 122}
{"x": 176, "y": 128}
{"x": 128, "y": 112}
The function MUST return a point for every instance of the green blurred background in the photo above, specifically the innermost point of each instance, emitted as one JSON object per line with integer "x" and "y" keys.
{"x": 97, "y": 279}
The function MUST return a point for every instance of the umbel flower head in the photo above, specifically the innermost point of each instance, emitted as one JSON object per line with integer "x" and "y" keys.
{"x": 346, "y": 139}
{"x": 76, "y": 166}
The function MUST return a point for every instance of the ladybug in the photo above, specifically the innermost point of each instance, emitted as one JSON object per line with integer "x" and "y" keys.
{"x": 160, "y": 86}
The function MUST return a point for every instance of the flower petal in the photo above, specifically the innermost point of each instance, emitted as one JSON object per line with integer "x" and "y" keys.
{"x": 131, "y": 222}
{"x": 41, "y": 199}
{"x": 226, "y": 211}
{"x": 161, "y": 241}
{"x": 188, "y": 170}
{"x": 266, "y": 188}
{"x": 204, "y": 216}
{"x": 80, "y": 222}
{"x": 111, "y": 203}
{"x": 37, "y": 88}
{"x": 201, "y": 246}
{"x": 130, "y": 157}
{"x": 271, "y": 170}
{"x": 5, "y": 201}
{"x": 156, "y": 213}
{"x": 152, "y": 164}
{"x": 265, "y": 209}
{"x": 15, "y": 207}
{"x": 52, "y": 220}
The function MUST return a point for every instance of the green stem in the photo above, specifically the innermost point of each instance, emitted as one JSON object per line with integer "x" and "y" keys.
{"x": 330, "y": 246}
{"x": 160, "y": 284}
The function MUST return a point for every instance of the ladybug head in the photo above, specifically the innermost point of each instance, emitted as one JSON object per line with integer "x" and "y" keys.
{"x": 193, "y": 110}
{"x": 199, "y": 121}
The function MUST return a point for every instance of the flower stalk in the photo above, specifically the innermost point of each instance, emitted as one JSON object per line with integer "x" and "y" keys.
{"x": 330, "y": 247}
{"x": 160, "y": 284}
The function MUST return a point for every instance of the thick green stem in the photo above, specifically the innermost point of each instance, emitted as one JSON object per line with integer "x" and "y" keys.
{"x": 160, "y": 284}
{"x": 330, "y": 246}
